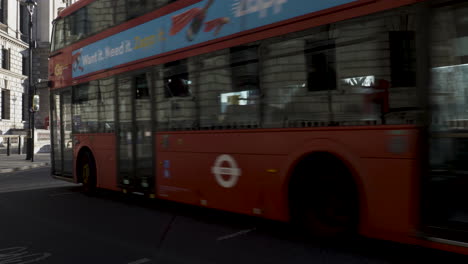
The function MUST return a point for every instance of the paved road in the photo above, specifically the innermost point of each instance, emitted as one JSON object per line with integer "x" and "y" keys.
{"x": 55, "y": 223}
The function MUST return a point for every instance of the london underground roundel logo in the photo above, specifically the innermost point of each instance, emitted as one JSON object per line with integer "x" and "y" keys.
{"x": 226, "y": 171}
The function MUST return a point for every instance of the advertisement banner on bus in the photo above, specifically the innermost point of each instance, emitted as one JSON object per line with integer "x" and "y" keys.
{"x": 198, "y": 23}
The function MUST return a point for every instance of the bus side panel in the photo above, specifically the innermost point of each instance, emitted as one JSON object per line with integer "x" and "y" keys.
{"x": 190, "y": 178}
{"x": 177, "y": 177}
{"x": 391, "y": 203}
{"x": 60, "y": 69}
{"x": 374, "y": 142}
{"x": 104, "y": 151}
{"x": 382, "y": 161}
{"x": 386, "y": 177}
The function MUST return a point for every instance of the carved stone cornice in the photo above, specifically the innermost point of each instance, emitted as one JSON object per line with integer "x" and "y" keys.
{"x": 5, "y": 37}
{"x": 13, "y": 74}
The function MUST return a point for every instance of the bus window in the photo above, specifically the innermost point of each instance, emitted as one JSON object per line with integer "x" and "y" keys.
{"x": 58, "y": 39}
{"x": 100, "y": 15}
{"x": 175, "y": 101}
{"x": 93, "y": 107}
{"x": 336, "y": 75}
{"x": 77, "y": 26}
{"x": 229, "y": 89}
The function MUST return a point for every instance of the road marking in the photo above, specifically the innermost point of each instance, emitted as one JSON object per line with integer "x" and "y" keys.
{"x": 140, "y": 261}
{"x": 240, "y": 233}
{"x": 21, "y": 255}
{"x": 60, "y": 194}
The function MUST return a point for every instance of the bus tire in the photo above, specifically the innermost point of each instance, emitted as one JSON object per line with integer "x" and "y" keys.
{"x": 323, "y": 198}
{"x": 87, "y": 172}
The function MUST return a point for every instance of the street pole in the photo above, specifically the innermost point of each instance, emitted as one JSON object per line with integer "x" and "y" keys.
{"x": 30, "y": 4}
{"x": 31, "y": 90}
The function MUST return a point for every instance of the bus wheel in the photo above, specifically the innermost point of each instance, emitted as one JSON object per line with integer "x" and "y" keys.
{"x": 87, "y": 172}
{"x": 324, "y": 199}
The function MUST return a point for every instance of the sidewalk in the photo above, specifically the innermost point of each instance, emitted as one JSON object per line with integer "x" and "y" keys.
{"x": 16, "y": 162}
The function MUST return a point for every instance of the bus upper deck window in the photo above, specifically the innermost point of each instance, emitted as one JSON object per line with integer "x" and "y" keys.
{"x": 58, "y": 39}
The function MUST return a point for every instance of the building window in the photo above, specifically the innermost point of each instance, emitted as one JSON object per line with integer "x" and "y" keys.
{"x": 141, "y": 87}
{"x": 24, "y": 108}
{"x": 5, "y": 104}
{"x": 24, "y": 65}
{"x": 244, "y": 68}
{"x": 5, "y": 58}
{"x": 136, "y": 8}
{"x": 176, "y": 79}
{"x": 24, "y": 22}
{"x": 403, "y": 58}
{"x": 3, "y": 11}
{"x": 321, "y": 64}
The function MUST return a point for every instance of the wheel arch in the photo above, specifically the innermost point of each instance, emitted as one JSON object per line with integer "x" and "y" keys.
{"x": 80, "y": 152}
{"x": 325, "y": 148}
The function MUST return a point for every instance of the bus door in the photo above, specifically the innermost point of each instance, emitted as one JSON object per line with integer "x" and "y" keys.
{"x": 134, "y": 134}
{"x": 62, "y": 139}
{"x": 446, "y": 189}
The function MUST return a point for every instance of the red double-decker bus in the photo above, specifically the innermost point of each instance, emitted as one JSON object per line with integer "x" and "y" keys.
{"x": 344, "y": 116}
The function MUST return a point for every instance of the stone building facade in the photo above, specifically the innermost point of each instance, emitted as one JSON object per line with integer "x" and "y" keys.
{"x": 13, "y": 75}
{"x": 14, "y": 63}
